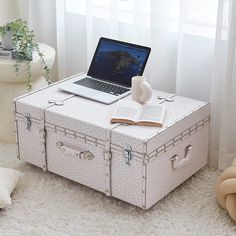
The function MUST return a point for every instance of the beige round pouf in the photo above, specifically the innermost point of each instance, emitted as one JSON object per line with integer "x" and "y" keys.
{"x": 12, "y": 86}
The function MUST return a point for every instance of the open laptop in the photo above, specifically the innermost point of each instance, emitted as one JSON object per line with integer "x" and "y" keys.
{"x": 109, "y": 76}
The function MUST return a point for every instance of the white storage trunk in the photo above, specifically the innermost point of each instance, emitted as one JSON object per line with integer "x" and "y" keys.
{"x": 72, "y": 136}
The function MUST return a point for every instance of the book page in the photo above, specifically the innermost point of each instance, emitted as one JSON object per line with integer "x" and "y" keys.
{"x": 152, "y": 113}
{"x": 127, "y": 110}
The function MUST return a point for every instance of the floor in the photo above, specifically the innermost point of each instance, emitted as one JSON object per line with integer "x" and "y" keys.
{"x": 46, "y": 204}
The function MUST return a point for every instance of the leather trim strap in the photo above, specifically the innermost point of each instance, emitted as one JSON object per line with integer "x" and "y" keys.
{"x": 42, "y": 130}
{"x": 16, "y": 133}
{"x": 108, "y": 159}
{"x": 144, "y": 183}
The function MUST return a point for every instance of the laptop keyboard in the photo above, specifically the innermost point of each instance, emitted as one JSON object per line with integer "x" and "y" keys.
{"x": 101, "y": 86}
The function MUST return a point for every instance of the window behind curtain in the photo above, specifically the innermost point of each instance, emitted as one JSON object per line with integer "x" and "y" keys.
{"x": 199, "y": 15}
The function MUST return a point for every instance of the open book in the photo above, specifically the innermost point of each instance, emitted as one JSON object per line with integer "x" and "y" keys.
{"x": 134, "y": 113}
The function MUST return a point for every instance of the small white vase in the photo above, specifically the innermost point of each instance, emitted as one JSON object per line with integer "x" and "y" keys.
{"x": 141, "y": 89}
{"x": 7, "y": 42}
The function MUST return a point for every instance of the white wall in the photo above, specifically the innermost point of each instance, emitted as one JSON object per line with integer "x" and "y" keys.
{"x": 8, "y": 10}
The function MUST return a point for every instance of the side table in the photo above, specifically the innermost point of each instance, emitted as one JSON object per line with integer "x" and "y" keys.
{"x": 12, "y": 86}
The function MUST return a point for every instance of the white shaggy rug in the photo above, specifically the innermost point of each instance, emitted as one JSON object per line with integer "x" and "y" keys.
{"x": 46, "y": 204}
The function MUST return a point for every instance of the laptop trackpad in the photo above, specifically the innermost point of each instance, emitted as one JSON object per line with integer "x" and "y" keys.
{"x": 92, "y": 94}
{"x": 87, "y": 92}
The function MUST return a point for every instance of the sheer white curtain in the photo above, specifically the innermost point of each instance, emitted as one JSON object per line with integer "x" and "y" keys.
{"x": 192, "y": 41}
{"x": 41, "y": 17}
{"x": 223, "y": 88}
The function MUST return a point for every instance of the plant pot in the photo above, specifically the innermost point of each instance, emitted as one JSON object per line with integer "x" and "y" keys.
{"x": 7, "y": 42}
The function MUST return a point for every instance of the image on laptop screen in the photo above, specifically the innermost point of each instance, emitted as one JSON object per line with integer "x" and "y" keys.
{"x": 118, "y": 62}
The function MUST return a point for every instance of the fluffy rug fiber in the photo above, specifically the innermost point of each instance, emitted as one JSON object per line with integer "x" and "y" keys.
{"x": 46, "y": 204}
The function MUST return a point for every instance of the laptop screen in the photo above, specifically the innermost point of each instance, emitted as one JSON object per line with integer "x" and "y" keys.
{"x": 118, "y": 62}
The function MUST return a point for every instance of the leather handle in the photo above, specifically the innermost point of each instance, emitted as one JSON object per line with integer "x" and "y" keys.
{"x": 178, "y": 162}
{"x": 87, "y": 155}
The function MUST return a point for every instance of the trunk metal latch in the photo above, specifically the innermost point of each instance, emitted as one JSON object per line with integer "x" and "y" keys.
{"x": 127, "y": 151}
{"x": 28, "y": 120}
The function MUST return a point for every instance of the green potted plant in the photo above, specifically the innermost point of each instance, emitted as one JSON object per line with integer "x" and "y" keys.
{"x": 17, "y": 37}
